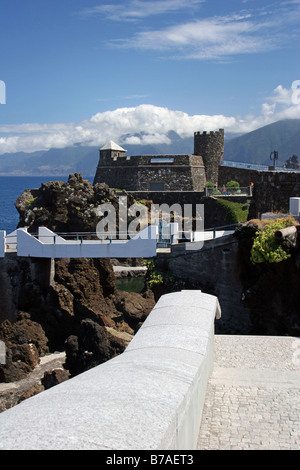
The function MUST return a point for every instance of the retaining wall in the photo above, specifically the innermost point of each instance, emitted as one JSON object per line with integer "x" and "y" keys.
{"x": 149, "y": 397}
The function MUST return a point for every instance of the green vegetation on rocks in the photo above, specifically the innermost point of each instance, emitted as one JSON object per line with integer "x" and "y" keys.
{"x": 265, "y": 247}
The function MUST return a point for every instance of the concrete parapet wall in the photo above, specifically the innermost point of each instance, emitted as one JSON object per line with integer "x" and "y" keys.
{"x": 149, "y": 397}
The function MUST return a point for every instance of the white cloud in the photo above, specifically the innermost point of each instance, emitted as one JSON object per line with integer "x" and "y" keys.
{"x": 144, "y": 124}
{"x": 249, "y": 31}
{"x": 282, "y": 95}
{"x": 204, "y": 39}
{"x": 136, "y": 9}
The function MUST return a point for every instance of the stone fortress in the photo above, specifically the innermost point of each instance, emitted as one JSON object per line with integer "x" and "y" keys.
{"x": 163, "y": 172}
{"x": 182, "y": 178}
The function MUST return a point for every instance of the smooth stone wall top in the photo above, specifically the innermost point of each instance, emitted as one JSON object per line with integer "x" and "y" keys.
{"x": 149, "y": 397}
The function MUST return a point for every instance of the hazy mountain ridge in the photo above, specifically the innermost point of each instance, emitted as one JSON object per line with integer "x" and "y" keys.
{"x": 256, "y": 146}
{"x": 253, "y": 147}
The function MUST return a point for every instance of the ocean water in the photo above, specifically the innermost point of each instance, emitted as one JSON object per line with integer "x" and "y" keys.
{"x": 11, "y": 187}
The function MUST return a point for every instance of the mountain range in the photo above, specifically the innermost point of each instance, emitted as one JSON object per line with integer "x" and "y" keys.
{"x": 253, "y": 147}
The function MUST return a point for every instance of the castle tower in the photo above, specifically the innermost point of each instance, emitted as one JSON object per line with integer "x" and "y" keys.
{"x": 108, "y": 154}
{"x": 211, "y": 147}
{"x": 111, "y": 149}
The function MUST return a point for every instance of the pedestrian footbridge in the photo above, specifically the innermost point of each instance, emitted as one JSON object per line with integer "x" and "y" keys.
{"x": 144, "y": 244}
{"x": 47, "y": 244}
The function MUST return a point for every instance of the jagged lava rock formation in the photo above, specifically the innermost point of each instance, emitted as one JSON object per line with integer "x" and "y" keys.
{"x": 76, "y": 308}
{"x": 66, "y": 207}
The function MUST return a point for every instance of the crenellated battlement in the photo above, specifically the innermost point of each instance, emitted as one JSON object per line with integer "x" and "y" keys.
{"x": 220, "y": 131}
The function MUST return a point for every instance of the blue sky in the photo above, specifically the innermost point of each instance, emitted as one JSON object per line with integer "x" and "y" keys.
{"x": 88, "y": 71}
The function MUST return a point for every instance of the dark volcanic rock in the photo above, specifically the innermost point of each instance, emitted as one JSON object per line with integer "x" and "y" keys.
{"x": 135, "y": 307}
{"x": 70, "y": 304}
{"x": 54, "y": 377}
{"x": 93, "y": 346}
{"x": 66, "y": 207}
{"x": 25, "y": 342}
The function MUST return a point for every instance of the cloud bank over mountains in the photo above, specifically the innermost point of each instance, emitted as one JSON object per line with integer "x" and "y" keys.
{"x": 144, "y": 124}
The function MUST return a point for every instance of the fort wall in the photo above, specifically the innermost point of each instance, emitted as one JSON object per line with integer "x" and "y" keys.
{"x": 272, "y": 189}
{"x": 146, "y": 172}
{"x": 163, "y": 172}
{"x": 159, "y": 175}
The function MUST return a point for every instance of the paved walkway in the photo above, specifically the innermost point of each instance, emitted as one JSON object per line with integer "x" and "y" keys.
{"x": 253, "y": 395}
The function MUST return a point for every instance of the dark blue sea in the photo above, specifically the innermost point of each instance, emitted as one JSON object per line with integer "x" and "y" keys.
{"x": 11, "y": 187}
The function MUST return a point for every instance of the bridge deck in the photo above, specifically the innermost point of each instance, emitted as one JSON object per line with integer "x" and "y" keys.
{"x": 253, "y": 395}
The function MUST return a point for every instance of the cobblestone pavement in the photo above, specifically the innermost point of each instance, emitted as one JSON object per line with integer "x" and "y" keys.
{"x": 253, "y": 395}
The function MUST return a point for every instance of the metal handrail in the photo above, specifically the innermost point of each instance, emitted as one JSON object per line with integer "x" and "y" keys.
{"x": 253, "y": 166}
{"x": 228, "y": 190}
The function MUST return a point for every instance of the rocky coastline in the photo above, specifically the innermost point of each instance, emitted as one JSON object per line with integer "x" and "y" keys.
{"x": 67, "y": 306}
{"x": 61, "y": 317}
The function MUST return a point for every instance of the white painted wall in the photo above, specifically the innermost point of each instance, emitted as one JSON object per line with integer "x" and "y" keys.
{"x": 149, "y": 397}
{"x": 50, "y": 245}
{"x": 210, "y": 235}
{"x": 11, "y": 241}
{"x": 295, "y": 206}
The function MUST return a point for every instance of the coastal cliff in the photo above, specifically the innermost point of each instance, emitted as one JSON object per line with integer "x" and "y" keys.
{"x": 70, "y": 305}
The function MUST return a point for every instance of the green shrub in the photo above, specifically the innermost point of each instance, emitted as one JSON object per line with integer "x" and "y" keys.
{"x": 265, "y": 247}
{"x": 232, "y": 185}
{"x": 209, "y": 184}
{"x": 155, "y": 277}
{"x": 30, "y": 200}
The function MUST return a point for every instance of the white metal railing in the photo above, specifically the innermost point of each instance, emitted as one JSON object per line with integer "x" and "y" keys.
{"x": 254, "y": 166}
{"x": 229, "y": 191}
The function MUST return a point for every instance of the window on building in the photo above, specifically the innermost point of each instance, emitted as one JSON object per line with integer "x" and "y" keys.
{"x": 155, "y": 186}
